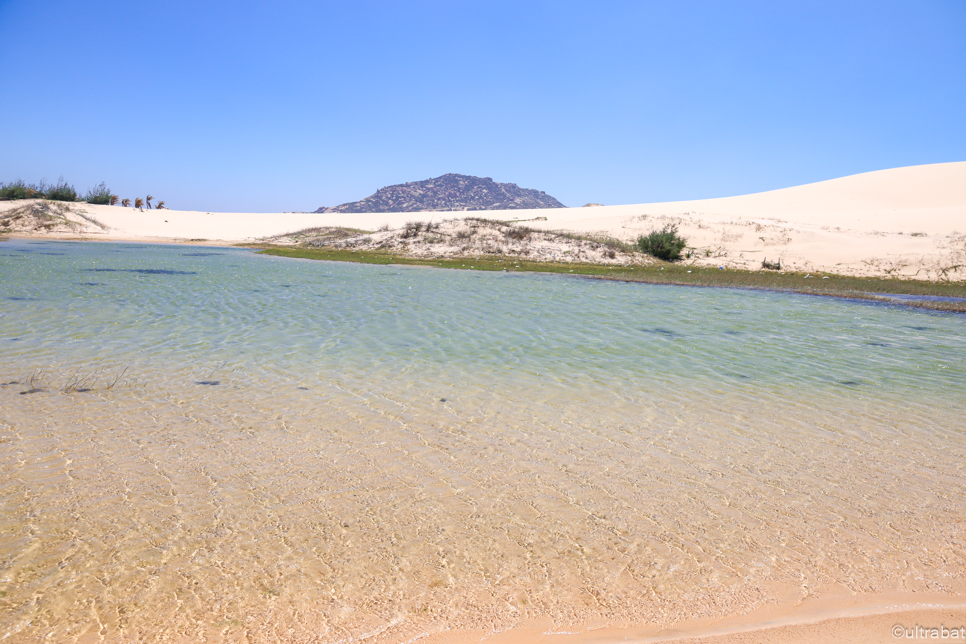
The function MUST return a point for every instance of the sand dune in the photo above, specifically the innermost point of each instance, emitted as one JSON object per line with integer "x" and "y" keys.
{"x": 904, "y": 221}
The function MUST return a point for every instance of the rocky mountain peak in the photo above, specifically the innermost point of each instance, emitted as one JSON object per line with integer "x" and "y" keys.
{"x": 450, "y": 192}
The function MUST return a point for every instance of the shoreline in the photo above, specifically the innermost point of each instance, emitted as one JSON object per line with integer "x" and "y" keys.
{"x": 160, "y": 241}
{"x": 856, "y": 619}
{"x": 873, "y": 289}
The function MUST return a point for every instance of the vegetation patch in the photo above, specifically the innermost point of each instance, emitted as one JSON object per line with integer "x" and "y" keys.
{"x": 100, "y": 195}
{"x": 60, "y": 191}
{"x": 664, "y": 244}
{"x": 63, "y": 191}
{"x": 471, "y": 237}
{"x": 20, "y": 190}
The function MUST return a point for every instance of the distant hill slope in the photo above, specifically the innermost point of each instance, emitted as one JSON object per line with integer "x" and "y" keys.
{"x": 450, "y": 192}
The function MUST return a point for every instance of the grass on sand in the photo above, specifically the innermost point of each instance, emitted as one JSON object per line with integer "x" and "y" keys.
{"x": 867, "y": 288}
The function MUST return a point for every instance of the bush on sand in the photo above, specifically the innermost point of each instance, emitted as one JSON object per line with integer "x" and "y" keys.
{"x": 664, "y": 244}
{"x": 99, "y": 194}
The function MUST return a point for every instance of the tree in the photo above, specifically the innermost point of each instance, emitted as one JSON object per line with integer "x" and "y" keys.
{"x": 114, "y": 199}
{"x": 139, "y": 203}
{"x": 148, "y": 200}
{"x": 125, "y": 202}
{"x": 160, "y": 205}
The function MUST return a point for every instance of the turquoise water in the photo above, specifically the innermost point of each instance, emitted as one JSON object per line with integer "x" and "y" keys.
{"x": 334, "y": 448}
{"x": 109, "y": 304}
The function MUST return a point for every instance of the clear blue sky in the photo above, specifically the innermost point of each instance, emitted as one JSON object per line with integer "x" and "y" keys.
{"x": 264, "y": 106}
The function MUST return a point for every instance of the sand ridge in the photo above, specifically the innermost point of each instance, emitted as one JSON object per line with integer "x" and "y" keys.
{"x": 908, "y": 222}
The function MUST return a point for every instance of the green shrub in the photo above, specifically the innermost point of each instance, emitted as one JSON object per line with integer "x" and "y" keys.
{"x": 99, "y": 194}
{"x": 62, "y": 191}
{"x": 19, "y": 190}
{"x": 664, "y": 244}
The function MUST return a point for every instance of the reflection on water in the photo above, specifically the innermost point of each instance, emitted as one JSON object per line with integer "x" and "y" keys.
{"x": 233, "y": 446}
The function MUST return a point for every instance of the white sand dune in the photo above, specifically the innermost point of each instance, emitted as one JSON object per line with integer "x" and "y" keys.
{"x": 904, "y": 221}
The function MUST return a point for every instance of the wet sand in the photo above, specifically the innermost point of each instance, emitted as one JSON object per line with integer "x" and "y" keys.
{"x": 839, "y": 621}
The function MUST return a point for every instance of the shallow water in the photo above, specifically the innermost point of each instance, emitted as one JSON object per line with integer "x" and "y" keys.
{"x": 216, "y": 443}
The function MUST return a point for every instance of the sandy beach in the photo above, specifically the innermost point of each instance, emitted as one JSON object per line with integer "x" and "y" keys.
{"x": 908, "y": 222}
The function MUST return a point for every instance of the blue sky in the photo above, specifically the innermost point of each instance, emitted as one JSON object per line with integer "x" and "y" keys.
{"x": 264, "y": 106}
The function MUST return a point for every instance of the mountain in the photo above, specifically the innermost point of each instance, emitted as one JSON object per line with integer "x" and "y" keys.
{"x": 450, "y": 192}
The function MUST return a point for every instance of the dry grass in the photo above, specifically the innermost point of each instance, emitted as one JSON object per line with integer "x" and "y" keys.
{"x": 45, "y": 216}
{"x": 91, "y": 220}
{"x": 472, "y": 236}
{"x": 317, "y": 234}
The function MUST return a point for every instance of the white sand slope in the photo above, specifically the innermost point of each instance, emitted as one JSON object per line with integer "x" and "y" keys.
{"x": 905, "y": 221}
